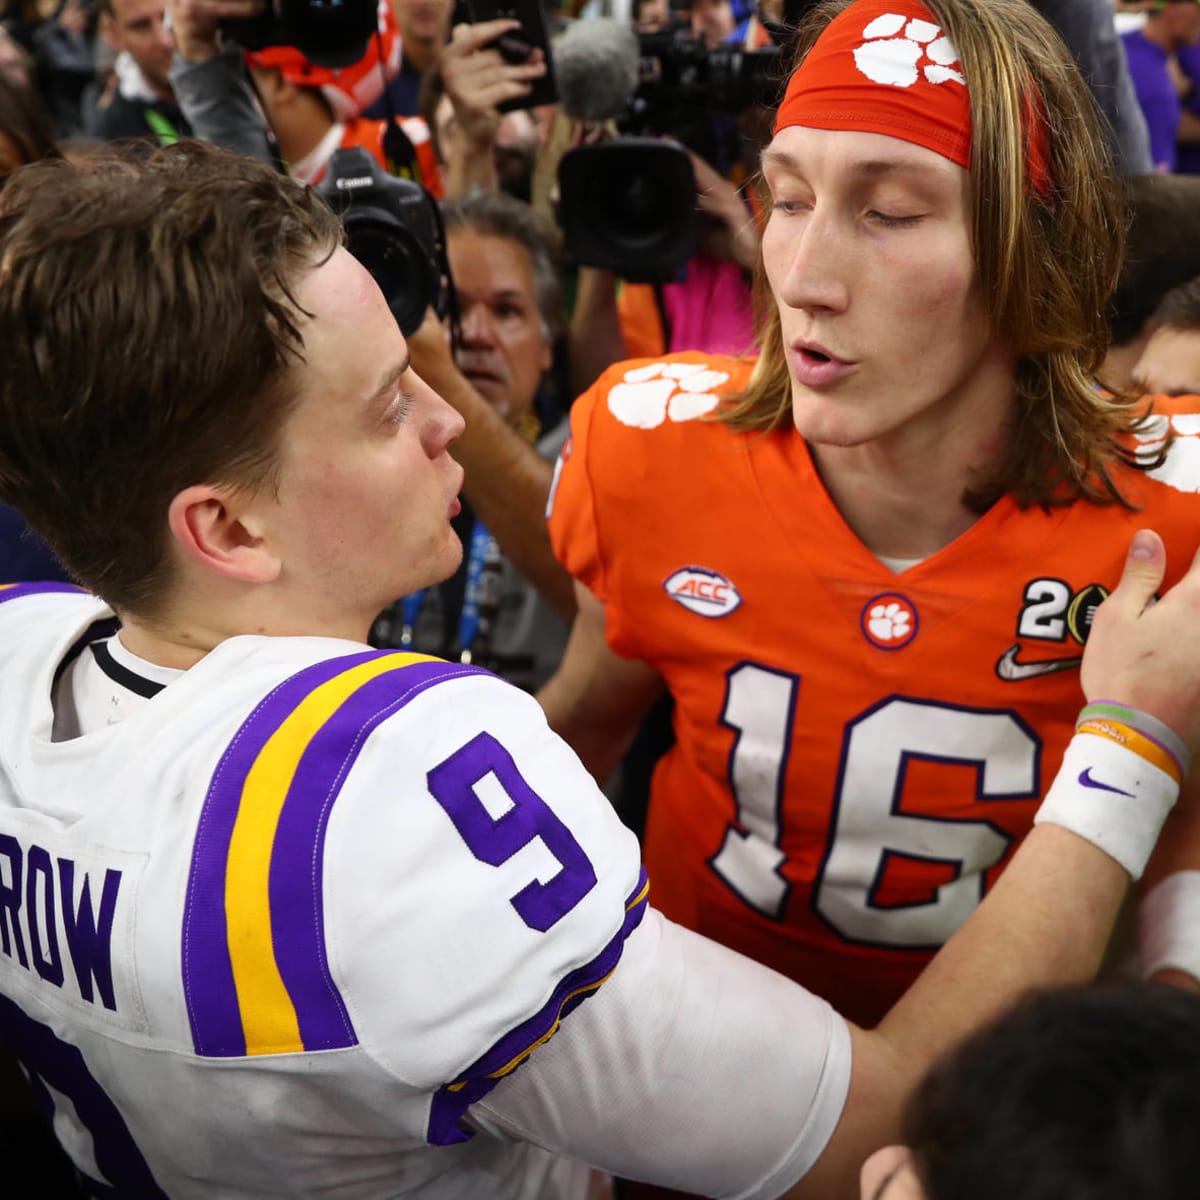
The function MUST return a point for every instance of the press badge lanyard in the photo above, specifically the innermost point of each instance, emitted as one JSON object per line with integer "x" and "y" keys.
{"x": 478, "y": 602}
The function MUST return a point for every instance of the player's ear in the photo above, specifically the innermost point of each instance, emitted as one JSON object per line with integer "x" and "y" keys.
{"x": 221, "y": 535}
{"x": 888, "y": 1175}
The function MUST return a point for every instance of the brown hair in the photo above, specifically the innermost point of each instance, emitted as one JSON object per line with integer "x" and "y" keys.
{"x": 1046, "y": 264}
{"x": 150, "y": 326}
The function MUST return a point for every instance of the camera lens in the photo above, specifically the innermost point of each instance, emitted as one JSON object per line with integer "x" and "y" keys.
{"x": 637, "y": 206}
{"x": 400, "y": 267}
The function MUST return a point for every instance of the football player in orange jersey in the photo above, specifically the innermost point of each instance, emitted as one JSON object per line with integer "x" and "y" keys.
{"x": 864, "y": 563}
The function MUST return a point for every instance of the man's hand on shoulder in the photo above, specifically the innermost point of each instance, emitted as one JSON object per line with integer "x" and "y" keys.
{"x": 1144, "y": 653}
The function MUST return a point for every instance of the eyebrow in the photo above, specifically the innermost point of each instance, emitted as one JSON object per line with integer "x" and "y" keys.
{"x": 390, "y": 378}
{"x": 871, "y": 168}
{"x": 386, "y": 389}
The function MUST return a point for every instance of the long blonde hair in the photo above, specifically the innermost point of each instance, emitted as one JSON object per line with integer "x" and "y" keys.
{"x": 1046, "y": 264}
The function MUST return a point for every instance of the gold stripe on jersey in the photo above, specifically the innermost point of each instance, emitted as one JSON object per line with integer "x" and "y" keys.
{"x": 268, "y": 1014}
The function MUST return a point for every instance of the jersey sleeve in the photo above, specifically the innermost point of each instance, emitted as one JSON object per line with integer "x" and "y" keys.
{"x": 478, "y": 887}
{"x": 571, "y": 511}
{"x": 634, "y": 439}
{"x": 694, "y": 1069}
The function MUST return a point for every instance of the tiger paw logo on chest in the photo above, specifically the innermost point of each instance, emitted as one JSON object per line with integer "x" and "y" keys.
{"x": 921, "y": 51}
{"x": 889, "y": 621}
{"x": 650, "y": 395}
{"x": 702, "y": 591}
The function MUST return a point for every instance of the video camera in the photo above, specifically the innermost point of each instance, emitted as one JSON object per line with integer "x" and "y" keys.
{"x": 684, "y": 85}
{"x": 628, "y": 204}
{"x": 393, "y": 227}
{"x": 330, "y": 33}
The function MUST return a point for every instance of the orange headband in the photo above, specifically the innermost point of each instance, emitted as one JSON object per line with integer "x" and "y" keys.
{"x": 884, "y": 66}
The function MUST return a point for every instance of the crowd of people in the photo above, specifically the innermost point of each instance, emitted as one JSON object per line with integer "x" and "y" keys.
{"x": 635, "y": 731}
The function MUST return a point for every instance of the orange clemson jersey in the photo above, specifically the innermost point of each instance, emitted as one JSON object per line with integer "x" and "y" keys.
{"x": 858, "y": 751}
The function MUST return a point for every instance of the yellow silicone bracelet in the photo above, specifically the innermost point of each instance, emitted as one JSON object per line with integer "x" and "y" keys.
{"x": 1131, "y": 739}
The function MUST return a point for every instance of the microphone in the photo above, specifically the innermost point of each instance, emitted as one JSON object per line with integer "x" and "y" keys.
{"x": 596, "y": 64}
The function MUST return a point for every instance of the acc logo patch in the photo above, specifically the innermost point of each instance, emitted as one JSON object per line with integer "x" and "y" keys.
{"x": 889, "y": 621}
{"x": 702, "y": 591}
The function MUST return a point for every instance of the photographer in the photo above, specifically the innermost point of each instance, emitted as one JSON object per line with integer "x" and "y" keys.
{"x": 477, "y": 145}
{"x": 314, "y": 111}
{"x": 506, "y": 267}
{"x": 311, "y": 110}
{"x": 709, "y": 306}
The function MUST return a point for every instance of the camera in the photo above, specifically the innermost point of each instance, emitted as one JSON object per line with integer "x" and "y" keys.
{"x": 628, "y": 204}
{"x": 330, "y": 33}
{"x": 393, "y": 227}
{"x": 683, "y": 85}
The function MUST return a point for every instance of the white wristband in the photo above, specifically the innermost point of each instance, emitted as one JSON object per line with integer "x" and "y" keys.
{"x": 1169, "y": 925}
{"x": 1111, "y": 797}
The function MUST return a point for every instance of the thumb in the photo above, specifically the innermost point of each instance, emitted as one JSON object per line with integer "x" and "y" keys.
{"x": 1142, "y": 576}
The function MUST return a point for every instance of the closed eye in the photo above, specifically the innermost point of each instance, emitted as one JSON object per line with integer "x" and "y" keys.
{"x": 892, "y": 220}
{"x": 398, "y": 408}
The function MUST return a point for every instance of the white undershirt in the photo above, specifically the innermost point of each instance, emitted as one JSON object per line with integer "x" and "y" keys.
{"x": 896, "y": 565}
{"x": 90, "y": 697}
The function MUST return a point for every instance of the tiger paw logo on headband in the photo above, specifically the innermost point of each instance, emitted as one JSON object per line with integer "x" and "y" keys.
{"x": 902, "y": 61}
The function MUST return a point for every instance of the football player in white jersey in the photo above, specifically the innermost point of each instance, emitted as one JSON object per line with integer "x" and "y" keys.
{"x": 281, "y": 915}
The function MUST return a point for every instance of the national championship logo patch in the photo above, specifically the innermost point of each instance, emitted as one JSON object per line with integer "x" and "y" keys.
{"x": 889, "y": 621}
{"x": 699, "y": 590}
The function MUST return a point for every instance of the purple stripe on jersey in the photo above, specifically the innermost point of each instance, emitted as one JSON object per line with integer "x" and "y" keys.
{"x": 17, "y": 590}
{"x": 295, "y": 881}
{"x": 452, "y": 1100}
{"x": 207, "y": 971}
{"x": 297, "y": 860}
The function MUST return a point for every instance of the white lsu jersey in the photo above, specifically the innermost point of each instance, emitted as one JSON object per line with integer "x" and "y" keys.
{"x": 275, "y": 932}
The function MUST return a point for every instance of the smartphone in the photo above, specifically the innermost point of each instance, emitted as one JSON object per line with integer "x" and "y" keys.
{"x": 517, "y": 45}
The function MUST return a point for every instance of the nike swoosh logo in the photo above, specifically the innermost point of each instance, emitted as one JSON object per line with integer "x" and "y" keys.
{"x": 1085, "y": 778}
{"x": 1009, "y": 669}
